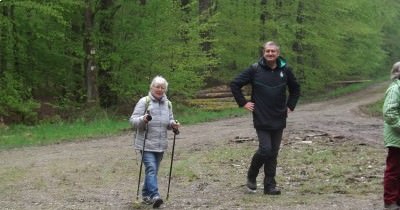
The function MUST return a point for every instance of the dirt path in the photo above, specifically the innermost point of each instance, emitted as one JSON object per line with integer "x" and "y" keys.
{"x": 342, "y": 116}
{"x": 102, "y": 173}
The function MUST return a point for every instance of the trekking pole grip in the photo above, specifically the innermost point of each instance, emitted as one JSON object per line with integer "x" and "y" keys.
{"x": 176, "y": 130}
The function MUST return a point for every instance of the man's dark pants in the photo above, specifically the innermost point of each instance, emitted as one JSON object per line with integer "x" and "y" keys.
{"x": 267, "y": 155}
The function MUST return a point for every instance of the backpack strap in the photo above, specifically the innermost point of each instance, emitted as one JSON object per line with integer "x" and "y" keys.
{"x": 254, "y": 66}
{"x": 254, "y": 69}
{"x": 147, "y": 104}
{"x": 169, "y": 105}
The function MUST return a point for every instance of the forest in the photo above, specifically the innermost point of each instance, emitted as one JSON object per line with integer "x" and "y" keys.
{"x": 71, "y": 55}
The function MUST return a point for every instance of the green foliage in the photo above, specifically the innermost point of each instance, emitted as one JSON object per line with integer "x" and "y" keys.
{"x": 42, "y": 44}
{"x": 391, "y": 31}
{"x": 152, "y": 44}
{"x": 237, "y": 37}
{"x": 15, "y": 99}
{"x": 38, "y": 43}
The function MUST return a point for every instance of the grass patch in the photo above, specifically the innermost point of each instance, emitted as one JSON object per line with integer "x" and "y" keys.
{"x": 324, "y": 168}
{"x": 193, "y": 115}
{"x": 187, "y": 168}
{"x": 374, "y": 109}
{"x": 319, "y": 168}
{"x": 13, "y": 174}
{"x": 49, "y": 133}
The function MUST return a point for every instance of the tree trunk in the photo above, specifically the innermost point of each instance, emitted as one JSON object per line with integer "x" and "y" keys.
{"x": 16, "y": 50}
{"x": 297, "y": 46}
{"x": 3, "y": 42}
{"x": 264, "y": 14}
{"x": 184, "y": 33}
{"x": 205, "y": 13}
{"x": 106, "y": 47}
{"x": 184, "y": 6}
{"x": 184, "y": 3}
{"x": 29, "y": 48}
{"x": 77, "y": 63}
{"x": 263, "y": 19}
{"x": 90, "y": 63}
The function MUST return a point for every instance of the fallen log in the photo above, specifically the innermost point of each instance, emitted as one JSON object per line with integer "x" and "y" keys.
{"x": 214, "y": 95}
{"x": 350, "y": 81}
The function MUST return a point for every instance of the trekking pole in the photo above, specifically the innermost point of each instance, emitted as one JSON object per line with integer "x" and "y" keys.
{"x": 148, "y": 117}
{"x": 176, "y": 132}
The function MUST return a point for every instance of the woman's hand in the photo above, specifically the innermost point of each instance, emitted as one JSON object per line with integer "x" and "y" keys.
{"x": 175, "y": 127}
{"x": 147, "y": 118}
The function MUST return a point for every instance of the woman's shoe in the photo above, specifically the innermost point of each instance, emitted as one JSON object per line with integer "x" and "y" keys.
{"x": 157, "y": 201}
{"x": 392, "y": 206}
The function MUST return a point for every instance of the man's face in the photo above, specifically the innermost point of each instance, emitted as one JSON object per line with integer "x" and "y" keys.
{"x": 271, "y": 53}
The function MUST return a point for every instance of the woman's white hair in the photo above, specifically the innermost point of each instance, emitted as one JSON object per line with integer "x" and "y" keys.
{"x": 395, "y": 73}
{"x": 159, "y": 80}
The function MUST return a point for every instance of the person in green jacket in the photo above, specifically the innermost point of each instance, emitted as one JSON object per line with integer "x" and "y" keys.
{"x": 391, "y": 134}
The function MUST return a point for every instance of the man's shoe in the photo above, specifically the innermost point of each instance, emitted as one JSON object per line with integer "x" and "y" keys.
{"x": 157, "y": 201}
{"x": 272, "y": 191}
{"x": 251, "y": 185}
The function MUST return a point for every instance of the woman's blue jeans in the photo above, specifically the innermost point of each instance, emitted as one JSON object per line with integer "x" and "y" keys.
{"x": 151, "y": 161}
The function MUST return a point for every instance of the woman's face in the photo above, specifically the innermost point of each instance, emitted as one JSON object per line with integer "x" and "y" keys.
{"x": 158, "y": 90}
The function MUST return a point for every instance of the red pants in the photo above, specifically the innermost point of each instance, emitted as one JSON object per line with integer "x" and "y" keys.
{"x": 391, "y": 181}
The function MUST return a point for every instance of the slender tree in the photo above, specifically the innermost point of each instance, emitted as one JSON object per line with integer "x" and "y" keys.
{"x": 90, "y": 65}
{"x": 298, "y": 43}
{"x": 205, "y": 11}
{"x": 264, "y": 18}
{"x": 108, "y": 9}
{"x": 207, "y": 8}
{"x": 3, "y": 39}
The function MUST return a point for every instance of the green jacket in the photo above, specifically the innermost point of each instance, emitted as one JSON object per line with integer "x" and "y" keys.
{"x": 391, "y": 115}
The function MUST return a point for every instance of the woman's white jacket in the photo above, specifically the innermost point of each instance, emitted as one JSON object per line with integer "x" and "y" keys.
{"x": 155, "y": 131}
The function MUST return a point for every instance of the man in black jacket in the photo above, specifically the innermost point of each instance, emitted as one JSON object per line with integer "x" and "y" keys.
{"x": 270, "y": 79}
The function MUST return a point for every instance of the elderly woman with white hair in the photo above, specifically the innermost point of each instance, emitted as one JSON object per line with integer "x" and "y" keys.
{"x": 391, "y": 133}
{"x": 152, "y": 117}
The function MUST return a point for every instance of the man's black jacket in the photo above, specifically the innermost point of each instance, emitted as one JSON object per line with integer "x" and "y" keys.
{"x": 268, "y": 93}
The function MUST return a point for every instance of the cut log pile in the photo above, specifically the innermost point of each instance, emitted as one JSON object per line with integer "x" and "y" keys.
{"x": 222, "y": 91}
{"x": 216, "y": 98}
